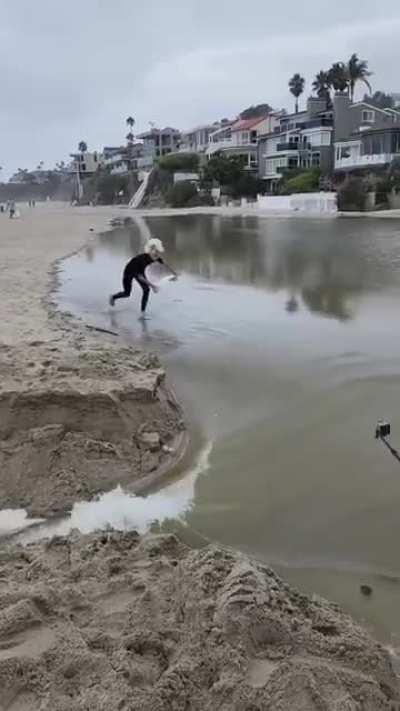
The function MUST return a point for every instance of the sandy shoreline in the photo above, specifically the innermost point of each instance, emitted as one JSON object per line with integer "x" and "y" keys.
{"x": 111, "y": 620}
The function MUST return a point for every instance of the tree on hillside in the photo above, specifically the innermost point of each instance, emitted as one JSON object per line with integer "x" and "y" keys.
{"x": 338, "y": 77}
{"x": 255, "y": 111}
{"x": 322, "y": 85}
{"x": 82, "y": 147}
{"x": 226, "y": 170}
{"x": 357, "y": 71}
{"x": 296, "y": 87}
{"x": 380, "y": 100}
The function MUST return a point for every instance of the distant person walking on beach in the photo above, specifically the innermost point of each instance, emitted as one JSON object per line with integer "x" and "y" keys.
{"x": 135, "y": 269}
{"x": 12, "y": 209}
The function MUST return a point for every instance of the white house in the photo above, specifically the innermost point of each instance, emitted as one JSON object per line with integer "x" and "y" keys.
{"x": 240, "y": 138}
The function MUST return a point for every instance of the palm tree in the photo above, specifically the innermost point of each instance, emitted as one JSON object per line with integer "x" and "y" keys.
{"x": 338, "y": 77}
{"x": 296, "y": 86}
{"x": 82, "y": 147}
{"x": 322, "y": 85}
{"x": 130, "y": 121}
{"x": 357, "y": 70}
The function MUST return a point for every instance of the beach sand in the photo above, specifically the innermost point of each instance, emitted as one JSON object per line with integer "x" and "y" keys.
{"x": 79, "y": 412}
{"x": 115, "y": 621}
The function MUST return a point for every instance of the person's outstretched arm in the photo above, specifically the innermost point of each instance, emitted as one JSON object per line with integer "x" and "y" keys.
{"x": 170, "y": 269}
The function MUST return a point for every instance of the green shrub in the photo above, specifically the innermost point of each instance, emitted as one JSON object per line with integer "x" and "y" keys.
{"x": 225, "y": 170}
{"x": 305, "y": 182}
{"x": 247, "y": 186}
{"x": 183, "y": 162}
{"x": 180, "y": 194}
{"x": 201, "y": 200}
{"x": 352, "y": 195}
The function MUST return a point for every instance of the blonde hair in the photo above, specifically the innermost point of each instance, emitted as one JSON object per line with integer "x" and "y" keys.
{"x": 152, "y": 244}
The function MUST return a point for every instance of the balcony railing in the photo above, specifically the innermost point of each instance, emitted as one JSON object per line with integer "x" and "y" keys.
{"x": 363, "y": 161}
{"x": 287, "y": 146}
{"x": 317, "y": 122}
{"x": 311, "y": 123}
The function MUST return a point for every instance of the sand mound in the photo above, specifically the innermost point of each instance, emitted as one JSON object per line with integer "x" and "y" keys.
{"x": 74, "y": 423}
{"x": 113, "y": 621}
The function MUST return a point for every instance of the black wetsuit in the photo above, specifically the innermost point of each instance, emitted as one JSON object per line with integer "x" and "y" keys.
{"x": 134, "y": 269}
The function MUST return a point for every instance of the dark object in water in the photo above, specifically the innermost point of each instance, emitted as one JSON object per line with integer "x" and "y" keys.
{"x": 366, "y": 590}
{"x": 102, "y": 330}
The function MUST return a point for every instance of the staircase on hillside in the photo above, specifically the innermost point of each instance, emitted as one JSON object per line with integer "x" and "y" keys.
{"x": 140, "y": 192}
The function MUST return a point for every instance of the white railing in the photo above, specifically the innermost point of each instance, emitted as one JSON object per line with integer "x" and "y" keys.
{"x": 218, "y": 146}
{"x": 322, "y": 203}
{"x": 363, "y": 161}
{"x": 139, "y": 194}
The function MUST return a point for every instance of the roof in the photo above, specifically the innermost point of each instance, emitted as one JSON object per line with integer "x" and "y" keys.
{"x": 375, "y": 108}
{"x": 158, "y": 131}
{"x": 292, "y": 115}
{"x": 203, "y": 127}
{"x": 110, "y": 149}
{"x": 247, "y": 124}
{"x": 376, "y": 129}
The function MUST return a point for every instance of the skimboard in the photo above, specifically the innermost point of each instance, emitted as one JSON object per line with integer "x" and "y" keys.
{"x": 159, "y": 274}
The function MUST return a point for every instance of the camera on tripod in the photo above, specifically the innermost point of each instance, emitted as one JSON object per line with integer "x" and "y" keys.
{"x": 382, "y": 429}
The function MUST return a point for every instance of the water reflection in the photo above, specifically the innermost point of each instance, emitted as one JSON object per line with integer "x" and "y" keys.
{"x": 321, "y": 265}
{"x": 281, "y": 340}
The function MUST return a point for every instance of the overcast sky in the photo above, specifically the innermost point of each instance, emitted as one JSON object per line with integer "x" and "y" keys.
{"x": 74, "y": 70}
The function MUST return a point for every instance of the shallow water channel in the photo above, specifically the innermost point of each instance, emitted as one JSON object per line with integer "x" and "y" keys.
{"x": 281, "y": 339}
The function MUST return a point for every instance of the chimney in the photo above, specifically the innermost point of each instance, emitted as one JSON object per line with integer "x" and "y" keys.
{"x": 315, "y": 105}
{"x": 342, "y": 116}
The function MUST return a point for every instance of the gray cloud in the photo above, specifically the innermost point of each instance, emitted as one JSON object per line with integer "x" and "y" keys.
{"x": 74, "y": 70}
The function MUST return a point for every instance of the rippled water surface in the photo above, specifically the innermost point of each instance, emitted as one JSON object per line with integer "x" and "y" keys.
{"x": 281, "y": 338}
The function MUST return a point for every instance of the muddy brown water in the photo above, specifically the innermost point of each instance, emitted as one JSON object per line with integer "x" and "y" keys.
{"x": 282, "y": 340}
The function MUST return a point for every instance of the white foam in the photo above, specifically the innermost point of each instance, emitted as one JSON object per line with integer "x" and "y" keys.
{"x": 13, "y": 520}
{"x": 122, "y": 511}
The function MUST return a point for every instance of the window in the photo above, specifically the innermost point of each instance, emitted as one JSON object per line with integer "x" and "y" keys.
{"x": 377, "y": 146}
{"x": 396, "y": 143}
{"x": 316, "y": 159}
{"x": 368, "y": 116}
{"x": 244, "y": 137}
{"x": 345, "y": 152}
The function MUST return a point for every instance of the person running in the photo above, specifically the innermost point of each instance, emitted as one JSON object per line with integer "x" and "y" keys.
{"x": 135, "y": 269}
